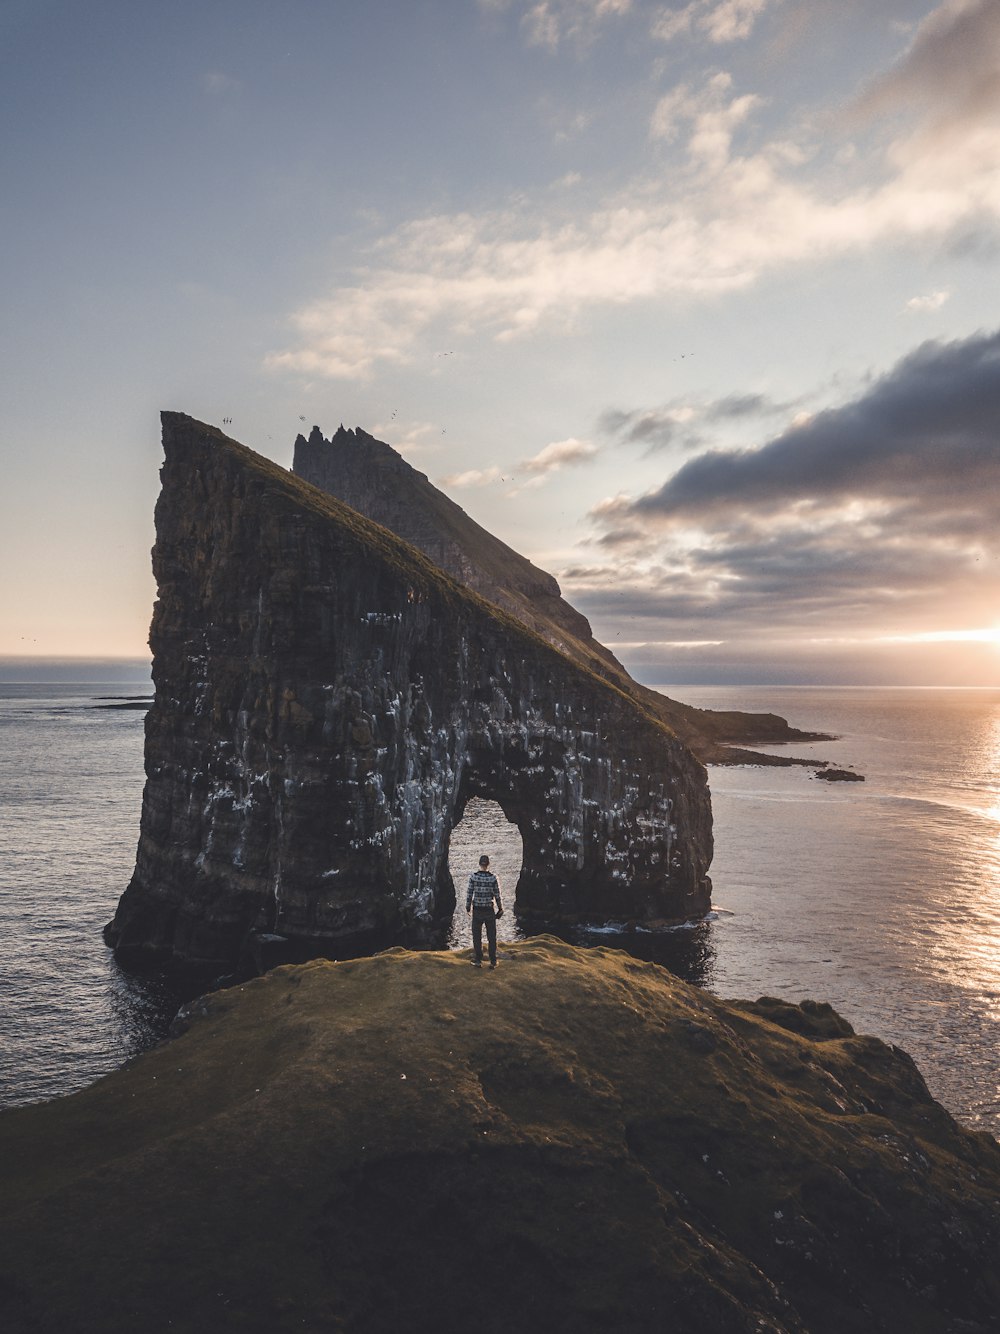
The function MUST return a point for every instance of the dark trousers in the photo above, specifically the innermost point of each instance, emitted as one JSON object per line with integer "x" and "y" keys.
{"x": 484, "y": 917}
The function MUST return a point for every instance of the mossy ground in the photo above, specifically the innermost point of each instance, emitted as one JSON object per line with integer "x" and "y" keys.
{"x": 575, "y": 1142}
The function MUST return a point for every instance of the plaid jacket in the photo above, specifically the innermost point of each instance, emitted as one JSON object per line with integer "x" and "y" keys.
{"x": 484, "y": 887}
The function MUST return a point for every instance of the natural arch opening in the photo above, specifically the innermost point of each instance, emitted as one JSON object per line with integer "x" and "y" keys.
{"x": 484, "y": 828}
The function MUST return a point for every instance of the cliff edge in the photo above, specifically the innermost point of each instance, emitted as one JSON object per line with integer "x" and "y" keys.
{"x": 576, "y": 1144}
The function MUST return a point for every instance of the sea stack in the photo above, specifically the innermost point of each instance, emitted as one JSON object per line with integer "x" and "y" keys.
{"x": 327, "y": 701}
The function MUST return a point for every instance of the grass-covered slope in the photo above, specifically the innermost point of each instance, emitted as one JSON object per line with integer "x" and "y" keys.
{"x": 577, "y": 1142}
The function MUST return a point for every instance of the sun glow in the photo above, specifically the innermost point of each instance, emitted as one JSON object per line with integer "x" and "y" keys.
{"x": 985, "y": 636}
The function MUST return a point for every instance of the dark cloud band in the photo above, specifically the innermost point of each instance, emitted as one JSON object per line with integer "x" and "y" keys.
{"x": 930, "y": 428}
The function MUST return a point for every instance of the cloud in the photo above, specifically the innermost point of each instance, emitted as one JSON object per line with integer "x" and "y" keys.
{"x": 951, "y": 70}
{"x": 718, "y": 221}
{"x": 548, "y": 23}
{"x": 681, "y": 423}
{"x": 530, "y": 473}
{"x": 878, "y": 517}
{"x": 732, "y": 20}
{"x": 740, "y": 406}
{"x": 559, "y": 454}
{"x": 474, "y": 477}
{"x": 948, "y": 84}
{"x": 728, "y": 21}
{"x": 712, "y": 117}
{"x": 654, "y": 427}
{"x": 414, "y": 439}
{"x": 919, "y": 305}
{"x": 932, "y": 422}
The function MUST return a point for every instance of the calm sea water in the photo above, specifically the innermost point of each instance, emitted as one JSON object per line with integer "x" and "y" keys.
{"x": 882, "y": 897}
{"x": 70, "y": 789}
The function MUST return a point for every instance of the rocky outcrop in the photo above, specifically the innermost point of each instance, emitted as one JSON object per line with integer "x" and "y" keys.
{"x": 327, "y": 701}
{"x": 373, "y": 478}
{"x": 576, "y": 1144}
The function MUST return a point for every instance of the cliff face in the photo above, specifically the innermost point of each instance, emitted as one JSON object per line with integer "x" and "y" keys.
{"x": 326, "y": 703}
{"x": 576, "y": 1144}
{"x": 371, "y": 477}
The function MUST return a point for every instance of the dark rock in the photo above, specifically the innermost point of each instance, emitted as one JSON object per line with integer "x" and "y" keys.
{"x": 371, "y": 477}
{"x": 840, "y": 776}
{"x": 813, "y": 1019}
{"x": 326, "y": 703}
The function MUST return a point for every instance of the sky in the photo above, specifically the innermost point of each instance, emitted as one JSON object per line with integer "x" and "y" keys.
{"x": 693, "y": 303}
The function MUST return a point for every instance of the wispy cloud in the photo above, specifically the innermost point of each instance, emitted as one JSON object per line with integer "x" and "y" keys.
{"x": 731, "y": 20}
{"x": 560, "y": 454}
{"x": 473, "y": 477}
{"x": 549, "y": 23}
{"x": 922, "y": 305}
{"x": 728, "y": 21}
{"x": 734, "y": 209}
{"x": 529, "y": 473}
{"x": 709, "y": 114}
{"x": 949, "y": 71}
{"x": 682, "y": 423}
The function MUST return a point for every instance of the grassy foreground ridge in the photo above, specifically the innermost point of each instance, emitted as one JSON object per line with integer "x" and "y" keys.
{"x": 577, "y": 1142}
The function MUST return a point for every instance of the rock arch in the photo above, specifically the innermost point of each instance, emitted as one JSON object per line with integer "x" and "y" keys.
{"x": 326, "y": 702}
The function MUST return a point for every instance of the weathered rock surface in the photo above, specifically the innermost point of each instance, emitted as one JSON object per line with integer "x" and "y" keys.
{"x": 327, "y": 701}
{"x": 373, "y": 478}
{"x": 576, "y": 1144}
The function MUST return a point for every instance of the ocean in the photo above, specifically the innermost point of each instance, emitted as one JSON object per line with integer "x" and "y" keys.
{"x": 881, "y": 897}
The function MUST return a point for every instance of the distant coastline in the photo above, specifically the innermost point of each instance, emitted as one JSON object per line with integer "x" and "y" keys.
{"x": 15, "y": 670}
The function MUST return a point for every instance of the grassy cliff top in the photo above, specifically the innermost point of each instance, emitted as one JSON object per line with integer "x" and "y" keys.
{"x": 577, "y": 1142}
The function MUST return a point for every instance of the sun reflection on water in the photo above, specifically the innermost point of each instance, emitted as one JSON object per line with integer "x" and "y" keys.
{"x": 967, "y": 949}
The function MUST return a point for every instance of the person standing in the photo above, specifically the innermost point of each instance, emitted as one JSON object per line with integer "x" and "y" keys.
{"x": 484, "y": 887}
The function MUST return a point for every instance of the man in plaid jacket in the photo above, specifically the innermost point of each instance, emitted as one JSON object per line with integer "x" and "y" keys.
{"x": 484, "y": 887}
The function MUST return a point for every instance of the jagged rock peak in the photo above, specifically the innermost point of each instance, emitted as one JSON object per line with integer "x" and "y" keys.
{"x": 374, "y": 453}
